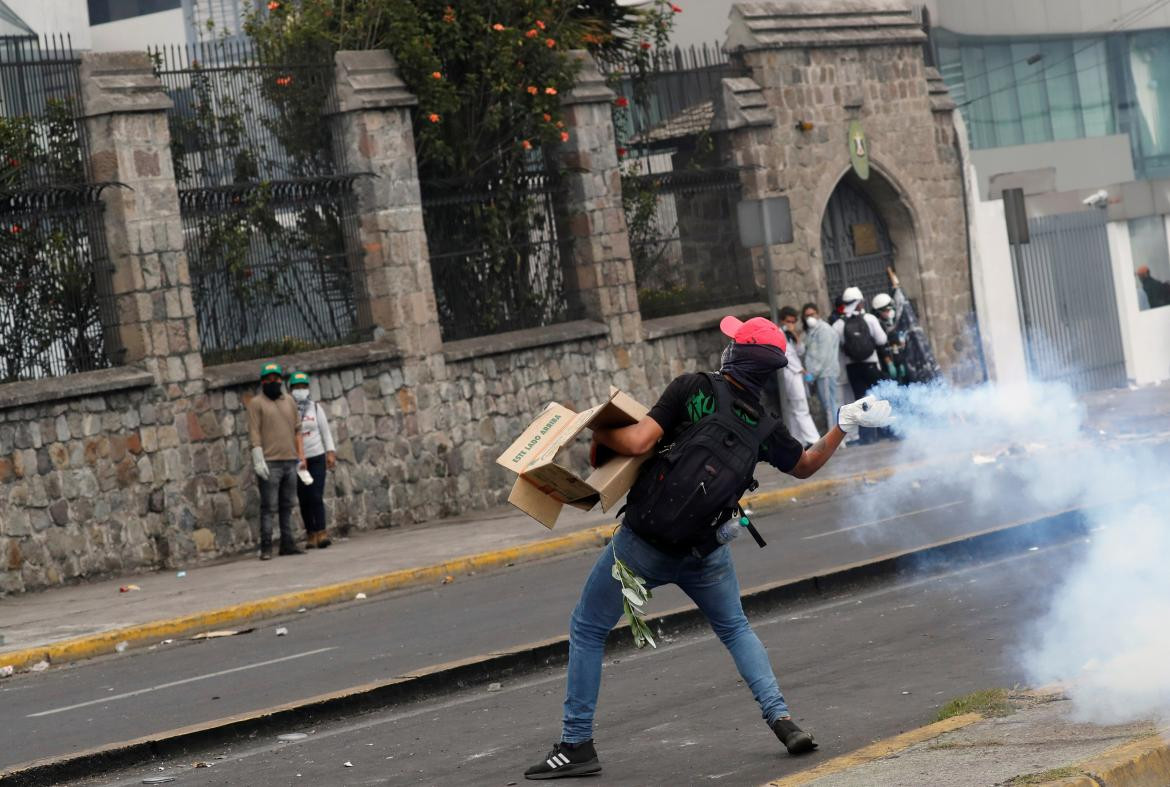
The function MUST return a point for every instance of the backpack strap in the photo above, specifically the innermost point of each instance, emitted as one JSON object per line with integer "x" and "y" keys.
{"x": 725, "y": 402}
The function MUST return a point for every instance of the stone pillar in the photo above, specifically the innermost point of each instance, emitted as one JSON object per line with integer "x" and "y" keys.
{"x": 600, "y": 273}
{"x": 125, "y": 111}
{"x": 374, "y": 125}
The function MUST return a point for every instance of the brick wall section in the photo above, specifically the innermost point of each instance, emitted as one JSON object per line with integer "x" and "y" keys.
{"x": 601, "y": 273}
{"x": 911, "y": 149}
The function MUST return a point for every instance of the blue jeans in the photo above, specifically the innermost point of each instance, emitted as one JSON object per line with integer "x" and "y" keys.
{"x": 712, "y": 585}
{"x": 827, "y": 392}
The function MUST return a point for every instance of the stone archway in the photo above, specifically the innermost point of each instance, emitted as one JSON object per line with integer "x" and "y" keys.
{"x": 867, "y": 226}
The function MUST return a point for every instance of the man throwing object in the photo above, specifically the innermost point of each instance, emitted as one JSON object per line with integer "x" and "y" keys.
{"x": 710, "y": 430}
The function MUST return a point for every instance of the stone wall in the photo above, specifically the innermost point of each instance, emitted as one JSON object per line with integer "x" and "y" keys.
{"x": 114, "y": 476}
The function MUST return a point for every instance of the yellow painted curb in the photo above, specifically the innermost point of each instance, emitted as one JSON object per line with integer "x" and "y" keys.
{"x": 92, "y": 645}
{"x": 1144, "y": 762}
{"x": 877, "y": 750}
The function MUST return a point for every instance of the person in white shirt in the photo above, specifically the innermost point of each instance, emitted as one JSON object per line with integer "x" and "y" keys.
{"x": 861, "y": 334}
{"x": 794, "y": 394}
{"x": 321, "y": 456}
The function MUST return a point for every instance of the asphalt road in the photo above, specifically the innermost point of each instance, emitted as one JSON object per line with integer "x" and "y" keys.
{"x": 142, "y": 692}
{"x": 856, "y": 668}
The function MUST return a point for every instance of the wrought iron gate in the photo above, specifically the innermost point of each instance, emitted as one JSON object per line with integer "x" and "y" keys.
{"x": 1068, "y": 304}
{"x": 855, "y": 244}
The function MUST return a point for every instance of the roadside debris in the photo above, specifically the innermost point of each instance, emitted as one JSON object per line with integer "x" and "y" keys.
{"x": 447, "y": 580}
{"x": 281, "y": 631}
{"x": 6, "y": 671}
{"x": 292, "y": 736}
{"x": 494, "y": 687}
{"x": 121, "y": 646}
{"x": 303, "y": 609}
{"x": 128, "y": 588}
{"x": 166, "y": 642}
{"x": 40, "y": 666}
{"x": 982, "y": 459}
{"x": 348, "y": 764}
{"x": 158, "y": 779}
{"x": 359, "y": 596}
{"x": 222, "y": 633}
{"x": 181, "y": 574}
{"x": 202, "y": 764}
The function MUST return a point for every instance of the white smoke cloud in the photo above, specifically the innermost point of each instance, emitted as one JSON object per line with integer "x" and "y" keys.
{"x": 1106, "y": 634}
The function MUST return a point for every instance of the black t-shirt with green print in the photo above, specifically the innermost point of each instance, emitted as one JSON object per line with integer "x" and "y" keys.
{"x": 690, "y": 397}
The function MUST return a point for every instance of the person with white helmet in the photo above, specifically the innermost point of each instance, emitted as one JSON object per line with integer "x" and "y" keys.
{"x": 887, "y": 314}
{"x": 861, "y": 334}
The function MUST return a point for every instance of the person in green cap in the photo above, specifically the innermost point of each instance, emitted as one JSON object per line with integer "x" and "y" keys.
{"x": 277, "y": 453}
{"x": 320, "y": 456}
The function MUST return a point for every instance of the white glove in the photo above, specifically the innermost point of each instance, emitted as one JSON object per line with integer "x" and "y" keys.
{"x": 867, "y": 411}
{"x": 259, "y": 464}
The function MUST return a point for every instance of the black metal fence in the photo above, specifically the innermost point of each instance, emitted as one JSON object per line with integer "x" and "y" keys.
{"x": 269, "y": 213}
{"x": 496, "y": 256}
{"x": 56, "y": 310}
{"x": 679, "y": 200}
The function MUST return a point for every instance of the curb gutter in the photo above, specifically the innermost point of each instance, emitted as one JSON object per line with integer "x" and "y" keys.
{"x": 453, "y": 676}
{"x": 1144, "y": 762}
{"x": 101, "y": 643}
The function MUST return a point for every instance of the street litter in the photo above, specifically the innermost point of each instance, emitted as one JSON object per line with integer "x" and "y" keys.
{"x": 447, "y": 580}
{"x": 348, "y": 764}
{"x": 40, "y": 666}
{"x": 302, "y": 609}
{"x": 359, "y": 596}
{"x": 166, "y": 642}
{"x": 281, "y": 631}
{"x": 1033, "y": 549}
{"x": 6, "y": 671}
{"x": 222, "y": 633}
{"x": 982, "y": 459}
{"x": 121, "y": 646}
{"x": 128, "y": 588}
{"x": 202, "y": 765}
{"x": 181, "y": 574}
{"x": 158, "y": 779}
{"x": 494, "y": 687}
{"x": 292, "y": 736}
{"x": 905, "y": 692}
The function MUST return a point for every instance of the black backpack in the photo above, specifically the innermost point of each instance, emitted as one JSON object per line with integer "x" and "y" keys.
{"x": 693, "y": 485}
{"x": 858, "y": 342}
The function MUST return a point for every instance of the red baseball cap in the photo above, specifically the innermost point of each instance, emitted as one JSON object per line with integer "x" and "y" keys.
{"x": 757, "y": 330}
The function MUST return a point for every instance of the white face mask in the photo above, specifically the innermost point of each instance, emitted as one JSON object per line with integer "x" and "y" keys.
{"x": 300, "y": 394}
{"x": 810, "y": 321}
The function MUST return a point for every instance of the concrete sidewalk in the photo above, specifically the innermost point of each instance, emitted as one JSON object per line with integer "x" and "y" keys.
{"x": 85, "y": 620}
{"x": 1037, "y": 742}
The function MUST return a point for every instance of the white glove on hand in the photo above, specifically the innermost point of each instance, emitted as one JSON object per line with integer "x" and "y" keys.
{"x": 258, "y": 463}
{"x": 867, "y": 411}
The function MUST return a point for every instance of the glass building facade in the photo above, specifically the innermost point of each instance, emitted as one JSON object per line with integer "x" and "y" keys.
{"x": 1019, "y": 91}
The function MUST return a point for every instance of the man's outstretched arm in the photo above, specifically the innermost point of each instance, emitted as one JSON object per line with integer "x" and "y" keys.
{"x": 814, "y": 458}
{"x": 633, "y": 440}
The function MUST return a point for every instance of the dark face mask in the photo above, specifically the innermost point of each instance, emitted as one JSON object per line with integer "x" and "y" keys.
{"x": 271, "y": 390}
{"x": 750, "y": 364}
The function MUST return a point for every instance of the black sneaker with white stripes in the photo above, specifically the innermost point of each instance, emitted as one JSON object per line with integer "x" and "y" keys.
{"x": 566, "y": 759}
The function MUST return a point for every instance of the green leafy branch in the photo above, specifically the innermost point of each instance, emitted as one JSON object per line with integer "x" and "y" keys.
{"x": 634, "y": 596}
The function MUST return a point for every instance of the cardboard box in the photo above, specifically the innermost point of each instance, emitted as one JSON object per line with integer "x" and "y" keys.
{"x": 539, "y": 456}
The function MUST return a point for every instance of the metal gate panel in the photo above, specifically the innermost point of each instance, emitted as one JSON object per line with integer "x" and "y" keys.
{"x": 1071, "y": 329}
{"x": 844, "y": 267}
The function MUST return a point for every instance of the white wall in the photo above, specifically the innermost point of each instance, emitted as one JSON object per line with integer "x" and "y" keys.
{"x": 1144, "y": 334}
{"x": 994, "y": 289}
{"x": 1030, "y": 17}
{"x": 55, "y": 17}
{"x": 138, "y": 33}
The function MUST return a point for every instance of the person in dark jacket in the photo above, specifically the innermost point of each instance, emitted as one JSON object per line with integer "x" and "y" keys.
{"x": 1157, "y": 292}
{"x": 703, "y": 569}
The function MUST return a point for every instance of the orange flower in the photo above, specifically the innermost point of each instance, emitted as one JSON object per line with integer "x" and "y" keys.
{"x": 434, "y": 117}
{"x": 589, "y": 38}
{"x": 621, "y": 101}
{"x": 448, "y": 14}
{"x": 540, "y": 24}
{"x": 498, "y": 27}
{"x": 272, "y": 6}
{"x": 526, "y": 145}
{"x": 560, "y": 124}
{"x": 551, "y": 91}
{"x": 675, "y": 8}
{"x": 437, "y": 74}
{"x": 621, "y": 152}
{"x": 564, "y": 136}
{"x": 645, "y": 44}
{"x": 531, "y": 33}
{"x": 533, "y": 89}
{"x": 547, "y": 117}
{"x": 284, "y": 81}
{"x": 550, "y": 42}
